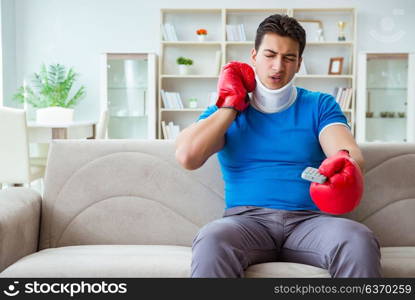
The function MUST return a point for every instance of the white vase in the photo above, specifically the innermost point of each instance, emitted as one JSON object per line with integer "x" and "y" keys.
{"x": 54, "y": 115}
{"x": 184, "y": 69}
{"x": 201, "y": 37}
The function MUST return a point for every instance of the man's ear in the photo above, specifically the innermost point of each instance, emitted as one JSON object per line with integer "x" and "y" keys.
{"x": 253, "y": 57}
{"x": 300, "y": 60}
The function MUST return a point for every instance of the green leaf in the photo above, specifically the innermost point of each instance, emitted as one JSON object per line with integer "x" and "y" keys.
{"x": 78, "y": 96}
{"x": 51, "y": 87}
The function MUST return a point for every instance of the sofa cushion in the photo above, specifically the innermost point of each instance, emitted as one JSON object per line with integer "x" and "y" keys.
{"x": 104, "y": 261}
{"x": 170, "y": 261}
{"x": 285, "y": 270}
{"x": 132, "y": 261}
{"x": 398, "y": 262}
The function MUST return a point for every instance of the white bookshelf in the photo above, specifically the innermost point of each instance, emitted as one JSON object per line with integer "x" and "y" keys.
{"x": 203, "y": 76}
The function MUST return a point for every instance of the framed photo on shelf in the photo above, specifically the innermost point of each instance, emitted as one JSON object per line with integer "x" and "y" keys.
{"x": 313, "y": 30}
{"x": 336, "y": 66}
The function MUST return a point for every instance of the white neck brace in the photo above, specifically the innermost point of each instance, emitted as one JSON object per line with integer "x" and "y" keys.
{"x": 272, "y": 101}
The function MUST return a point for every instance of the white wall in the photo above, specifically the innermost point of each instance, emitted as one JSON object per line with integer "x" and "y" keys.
{"x": 8, "y": 51}
{"x": 1, "y": 56}
{"x": 75, "y": 32}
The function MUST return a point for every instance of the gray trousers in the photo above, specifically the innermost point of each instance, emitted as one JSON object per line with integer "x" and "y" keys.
{"x": 249, "y": 235}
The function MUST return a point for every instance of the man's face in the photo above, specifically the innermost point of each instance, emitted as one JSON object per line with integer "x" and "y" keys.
{"x": 276, "y": 61}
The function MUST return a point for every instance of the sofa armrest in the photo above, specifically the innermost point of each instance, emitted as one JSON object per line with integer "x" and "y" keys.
{"x": 19, "y": 224}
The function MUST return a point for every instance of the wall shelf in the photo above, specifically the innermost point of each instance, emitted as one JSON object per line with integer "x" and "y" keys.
{"x": 202, "y": 82}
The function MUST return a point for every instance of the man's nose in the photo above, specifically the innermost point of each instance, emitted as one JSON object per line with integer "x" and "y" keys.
{"x": 278, "y": 64}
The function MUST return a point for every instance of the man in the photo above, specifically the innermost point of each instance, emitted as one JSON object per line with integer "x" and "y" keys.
{"x": 263, "y": 146}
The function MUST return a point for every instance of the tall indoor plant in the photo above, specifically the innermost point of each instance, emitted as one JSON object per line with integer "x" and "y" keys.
{"x": 51, "y": 93}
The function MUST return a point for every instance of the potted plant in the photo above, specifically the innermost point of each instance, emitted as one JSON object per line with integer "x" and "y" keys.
{"x": 184, "y": 64}
{"x": 201, "y": 34}
{"x": 192, "y": 102}
{"x": 51, "y": 94}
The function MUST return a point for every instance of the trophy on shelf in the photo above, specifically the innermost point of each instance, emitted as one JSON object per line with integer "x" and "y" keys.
{"x": 341, "y": 25}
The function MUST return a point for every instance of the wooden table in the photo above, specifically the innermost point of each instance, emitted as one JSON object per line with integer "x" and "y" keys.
{"x": 45, "y": 133}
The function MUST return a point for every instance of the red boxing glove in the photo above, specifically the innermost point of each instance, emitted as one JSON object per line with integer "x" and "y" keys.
{"x": 343, "y": 190}
{"x": 236, "y": 80}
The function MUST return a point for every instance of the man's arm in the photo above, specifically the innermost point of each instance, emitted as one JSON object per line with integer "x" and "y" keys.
{"x": 343, "y": 190}
{"x": 338, "y": 137}
{"x": 198, "y": 142}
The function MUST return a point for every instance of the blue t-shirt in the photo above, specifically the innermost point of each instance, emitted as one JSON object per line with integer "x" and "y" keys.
{"x": 264, "y": 154}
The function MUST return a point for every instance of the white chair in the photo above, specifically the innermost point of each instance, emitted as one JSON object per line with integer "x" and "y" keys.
{"x": 102, "y": 126}
{"x": 15, "y": 165}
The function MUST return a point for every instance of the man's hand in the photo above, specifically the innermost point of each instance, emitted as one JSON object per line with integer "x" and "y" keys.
{"x": 343, "y": 190}
{"x": 236, "y": 80}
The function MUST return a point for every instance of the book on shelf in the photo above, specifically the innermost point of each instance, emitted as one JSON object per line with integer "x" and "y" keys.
{"x": 170, "y": 130}
{"x": 343, "y": 96}
{"x": 241, "y": 29}
{"x": 349, "y": 97}
{"x": 169, "y": 33}
{"x": 171, "y": 100}
{"x": 336, "y": 93}
{"x": 164, "y": 32}
{"x": 174, "y": 100}
{"x": 179, "y": 101}
{"x": 164, "y": 98}
{"x": 163, "y": 129}
{"x": 235, "y": 32}
{"x": 229, "y": 35}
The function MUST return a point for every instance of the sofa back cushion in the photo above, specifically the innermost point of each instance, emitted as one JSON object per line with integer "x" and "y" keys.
{"x": 134, "y": 192}
{"x": 388, "y": 204}
{"x": 125, "y": 192}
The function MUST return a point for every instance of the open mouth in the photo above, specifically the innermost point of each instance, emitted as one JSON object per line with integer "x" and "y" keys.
{"x": 276, "y": 78}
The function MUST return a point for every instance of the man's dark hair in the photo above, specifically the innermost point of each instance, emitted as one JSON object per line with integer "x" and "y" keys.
{"x": 282, "y": 25}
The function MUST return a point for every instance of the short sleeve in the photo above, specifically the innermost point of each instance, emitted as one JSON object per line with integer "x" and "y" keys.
{"x": 330, "y": 113}
{"x": 209, "y": 110}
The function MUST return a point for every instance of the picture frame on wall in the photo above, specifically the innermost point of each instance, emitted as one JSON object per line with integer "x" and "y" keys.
{"x": 336, "y": 66}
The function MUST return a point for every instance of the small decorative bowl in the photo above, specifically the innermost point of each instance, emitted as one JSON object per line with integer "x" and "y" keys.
{"x": 369, "y": 114}
{"x": 391, "y": 114}
{"x": 383, "y": 114}
{"x": 401, "y": 114}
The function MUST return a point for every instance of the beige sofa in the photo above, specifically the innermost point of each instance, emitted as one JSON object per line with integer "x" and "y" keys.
{"x": 127, "y": 209}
